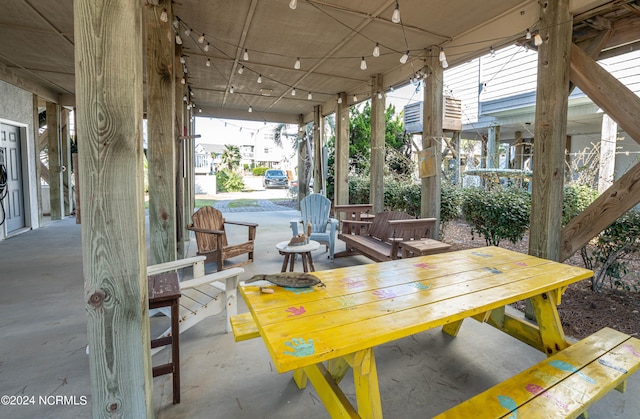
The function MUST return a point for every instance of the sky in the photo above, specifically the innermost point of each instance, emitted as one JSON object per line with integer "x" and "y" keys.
{"x": 238, "y": 132}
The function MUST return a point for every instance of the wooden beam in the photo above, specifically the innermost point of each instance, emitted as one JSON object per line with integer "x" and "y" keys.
{"x": 620, "y": 103}
{"x": 623, "y": 195}
{"x": 182, "y": 219}
{"x": 18, "y": 78}
{"x": 550, "y": 129}
{"x": 161, "y": 143}
{"x": 108, "y": 63}
{"x": 432, "y": 133}
{"x": 606, "y": 166}
{"x": 55, "y": 174}
{"x": 341, "y": 175}
{"x": 378, "y": 124}
{"x": 36, "y": 155}
{"x": 318, "y": 143}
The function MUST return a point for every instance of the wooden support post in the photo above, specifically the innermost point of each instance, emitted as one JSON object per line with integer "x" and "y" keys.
{"x": 518, "y": 162}
{"x": 376, "y": 188}
{"x": 108, "y": 68}
{"x": 607, "y": 162}
{"x": 36, "y": 156}
{"x": 550, "y": 129}
{"x": 433, "y": 109}
{"x": 318, "y": 163}
{"x": 65, "y": 153}
{"x": 304, "y": 161}
{"x": 493, "y": 147}
{"x": 55, "y": 174}
{"x": 341, "y": 174}
{"x": 161, "y": 135}
{"x": 190, "y": 185}
{"x": 179, "y": 130}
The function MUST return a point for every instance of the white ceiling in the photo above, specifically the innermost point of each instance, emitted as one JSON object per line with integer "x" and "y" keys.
{"x": 329, "y": 36}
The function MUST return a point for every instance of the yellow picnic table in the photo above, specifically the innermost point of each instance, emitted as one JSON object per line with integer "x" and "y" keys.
{"x": 323, "y": 331}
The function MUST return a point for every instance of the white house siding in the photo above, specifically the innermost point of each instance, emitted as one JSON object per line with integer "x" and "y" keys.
{"x": 16, "y": 108}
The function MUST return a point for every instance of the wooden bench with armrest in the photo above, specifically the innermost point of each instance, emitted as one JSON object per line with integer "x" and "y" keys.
{"x": 383, "y": 239}
{"x": 561, "y": 386}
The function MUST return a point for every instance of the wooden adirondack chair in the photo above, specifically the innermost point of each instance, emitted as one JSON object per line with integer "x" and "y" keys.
{"x": 202, "y": 296}
{"x": 211, "y": 238}
{"x": 315, "y": 209}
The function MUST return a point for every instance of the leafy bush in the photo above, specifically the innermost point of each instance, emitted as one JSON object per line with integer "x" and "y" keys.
{"x": 576, "y": 199}
{"x": 259, "y": 171}
{"x": 227, "y": 181}
{"x": 612, "y": 248}
{"x": 500, "y": 213}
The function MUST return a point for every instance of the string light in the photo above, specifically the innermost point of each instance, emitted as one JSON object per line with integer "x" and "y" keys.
{"x": 442, "y": 57}
{"x": 293, "y": 4}
{"x": 206, "y": 47}
{"x": 241, "y": 70}
{"x": 175, "y": 22}
{"x": 208, "y": 62}
{"x": 528, "y": 34}
{"x": 183, "y": 81}
{"x": 376, "y": 50}
{"x": 309, "y": 96}
{"x": 164, "y": 16}
{"x": 178, "y": 39}
{"x": 537, "y": 40}
{"x": 297, "y": 64}
{"x": 293, "y": 92}
{"x": 183, "y": 59}
{"x": 187, "y": 32}
{"x": 363, "y": 64}
{"x": 395, "y": 17}
{"x": 231, "y": 89}
{"x": 404, "y": 57}
{"x": 250, "y": 109}
{"x": 492, "y": 52}
{"x": 339, "y": 99}
{"x": 355, "y": 98}
{"x": 379, "y": 95}
{"x": 259, "y": 78}
{"x": 201, "y": 39}
{"x": 245, "y": 56}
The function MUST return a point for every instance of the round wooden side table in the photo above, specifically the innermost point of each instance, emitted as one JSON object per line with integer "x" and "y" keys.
{"x": 290, "y": 253}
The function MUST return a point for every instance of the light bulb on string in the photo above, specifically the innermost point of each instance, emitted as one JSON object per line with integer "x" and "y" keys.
{"x": 293, "y": 92}
{"x": 395, "y": 17}
{"x": 183, "y": 81}
{"x": 309, "y": 96}
{"x": 376, "y": 50}
{"x": 178, "y": 40}
{"x": 363, "y": 64}
{"x": 183, "y": 59}
{"x": 537, "y": 40}
{"x": 297, "y": 64}
{"x": 201, "y": 39}
{"x": 175, "y": 22}
{"x": 231, "y": 89}
{"x": 379, "y": 95}
{"x": 445, "y": 64}
{"x": 241, "y": 70}
{"x": 404, "y": 57}
{"x": 293, "y": 4}
{"x": 492, "y": 52}
{"x": 245, "y": 56}
{"x": 164, "y": 16}
{"x": 355, "y": 98}
{"x": 250, "y": 109}
{"x": 442, "y": 57}
{"x": 208, "y": 62}
{"x": 187, "y": 32}
{"x": 206, "y": 47}
{"x": 528, "y": 34}
{"x": 339, "y": 99}
{"x": 259, "y": 78}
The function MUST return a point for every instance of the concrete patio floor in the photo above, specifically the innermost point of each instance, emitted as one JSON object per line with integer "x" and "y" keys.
{"x": 43, "y": 329}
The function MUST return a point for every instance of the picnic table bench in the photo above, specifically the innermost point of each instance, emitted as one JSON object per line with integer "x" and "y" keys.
{"x": 386, "y": 233}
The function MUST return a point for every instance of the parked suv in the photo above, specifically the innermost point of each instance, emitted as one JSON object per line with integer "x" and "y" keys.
{"x": 275, "y": 179}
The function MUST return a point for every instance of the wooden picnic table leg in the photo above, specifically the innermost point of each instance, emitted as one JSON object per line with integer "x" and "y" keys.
{"x": 334, "y": 400}
{"x": 304, "y": 256}
{"x": 365, "y": 381}
{"x": 550, "y": 326}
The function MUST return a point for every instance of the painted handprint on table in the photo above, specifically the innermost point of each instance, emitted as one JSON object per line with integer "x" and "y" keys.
{"x": 384, "y": 294}
{"x": 295, "y": 311}
{"x": 421, "y": 286}
{"x": 303, "y": 290}
{"x": 300, "y": 347}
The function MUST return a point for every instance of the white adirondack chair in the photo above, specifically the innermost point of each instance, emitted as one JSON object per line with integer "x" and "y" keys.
{"x": 202, "y": 296}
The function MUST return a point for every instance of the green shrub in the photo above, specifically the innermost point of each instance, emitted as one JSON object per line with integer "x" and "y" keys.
{"x": 500, "y": 213}
{"x": 259, "y": 171}
{"x": 227, "y": 181}
{"x": 576, "y": 199}
{"x": 617, "y": 244}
